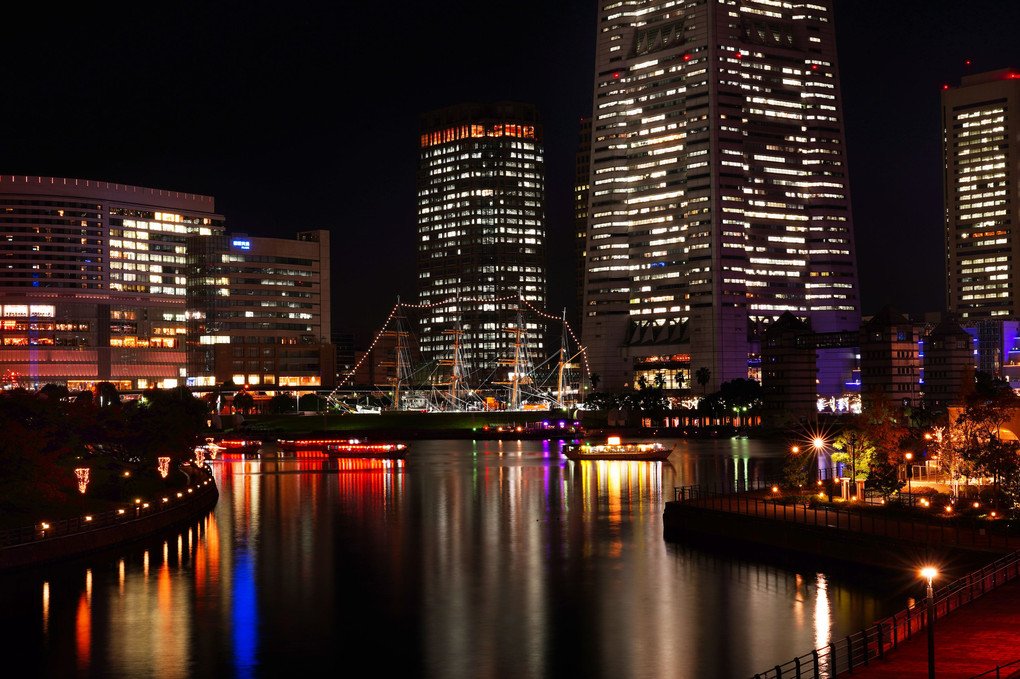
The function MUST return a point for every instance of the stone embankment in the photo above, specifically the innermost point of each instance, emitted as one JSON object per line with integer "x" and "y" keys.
{"x": 46, "y": 542}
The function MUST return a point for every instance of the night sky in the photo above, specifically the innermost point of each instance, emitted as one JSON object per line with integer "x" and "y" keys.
{"x": 305, "y": 115}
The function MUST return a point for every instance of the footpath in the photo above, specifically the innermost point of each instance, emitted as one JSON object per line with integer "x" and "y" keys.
{"x": 971, "y": 640}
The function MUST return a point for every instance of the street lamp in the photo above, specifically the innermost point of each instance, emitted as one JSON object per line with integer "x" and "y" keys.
{"x": 909, "y": 457}
{"x": 819, "y": 444}
{"x": 930, "y": 573}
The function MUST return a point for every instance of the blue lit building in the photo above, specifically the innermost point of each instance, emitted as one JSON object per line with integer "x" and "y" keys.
{"x": 259, "y": 311}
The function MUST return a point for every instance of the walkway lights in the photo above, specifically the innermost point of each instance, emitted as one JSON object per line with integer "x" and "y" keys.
{"x": 930, "y": 573}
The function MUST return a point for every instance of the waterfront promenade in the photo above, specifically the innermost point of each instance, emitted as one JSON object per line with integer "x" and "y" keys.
{"x": 976, "y": 611}
{"x": 969, "y": 641}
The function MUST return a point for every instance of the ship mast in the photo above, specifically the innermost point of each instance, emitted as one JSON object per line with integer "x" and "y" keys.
{"x": 456, "y": 364}
{"x": 402, "y": 375}
{"x": 520, "y": 372}
{"x": 564, "y": 361}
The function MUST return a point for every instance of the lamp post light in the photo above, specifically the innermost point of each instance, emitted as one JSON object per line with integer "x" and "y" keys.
{"x": 909, "y": 457}
{"x": 819, "y": 445}
{"x": 930, "y": 573}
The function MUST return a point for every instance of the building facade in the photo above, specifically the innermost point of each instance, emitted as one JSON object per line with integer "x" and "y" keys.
{"x": 93, "y": 283}
{"x": 719, "y": 188}
{"x": 582, "y": 175}
{"x": 481, "y": 233}
{"x": 259, "y": 311}
{"x": 889, "y": 362}
{"x": 981, "y": 140}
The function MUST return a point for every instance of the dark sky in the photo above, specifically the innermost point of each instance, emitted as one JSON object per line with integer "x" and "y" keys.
{"x": 304, "y": 115}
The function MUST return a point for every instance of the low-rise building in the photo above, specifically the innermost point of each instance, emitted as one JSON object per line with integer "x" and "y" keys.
{"x": 259, "y": 311}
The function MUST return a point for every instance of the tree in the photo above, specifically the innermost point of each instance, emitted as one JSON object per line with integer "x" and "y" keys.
{"x": 281, "y": 403}
{"x": 594, "y": 378}
{"x": 54, "y": 392}
{"x": 855, "y": 448}
{"x": 703, "y": 376}
{"x": 999, "y": 460}
{"x": 740, "y": 396}
{"x": 884, "y": 478}
{"x": 950, "y": 443}
{"x": 164, "y": 422}
{"x": 243, "y": 401}
{"x": 795, "y": 466}
{"x": 106, "y": 395}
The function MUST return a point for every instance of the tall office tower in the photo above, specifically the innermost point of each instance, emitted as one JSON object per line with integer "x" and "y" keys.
{"x": 582, "y": 175}
{"x": 481, "y": 232}
{"x": 981, "y": 146}
{"x": 259, "y": 311}
{"x": 719, "y": 190}
{"x": 93, "y": 286}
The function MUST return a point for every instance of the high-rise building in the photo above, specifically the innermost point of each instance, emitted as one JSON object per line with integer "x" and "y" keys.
{"x": 93, "y": 283}
{"x": 582, "y": 175}
{"x": 719, "y": 189}
{"x": 259, "y": 311}
{"x": 481, "y": 232}
{"x": 981, "y": 146}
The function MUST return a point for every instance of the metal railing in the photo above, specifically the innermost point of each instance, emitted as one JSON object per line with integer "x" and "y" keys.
{"x": 90, "y": 522}
{"x": 997, "y": 671}
{"x": 857, "y": 517}
{"x": 856, "y": 650}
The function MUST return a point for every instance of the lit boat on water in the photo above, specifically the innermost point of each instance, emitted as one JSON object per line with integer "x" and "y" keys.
{"x": 228, "y": 446}
{"x": 613, "y": 449}
{"x": 346, "y": 448}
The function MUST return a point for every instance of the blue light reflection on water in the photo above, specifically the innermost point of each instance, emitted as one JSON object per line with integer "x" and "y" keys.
{"x": 244, "y": 615}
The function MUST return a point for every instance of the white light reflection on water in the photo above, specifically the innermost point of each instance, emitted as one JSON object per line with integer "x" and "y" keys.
{"x": 823, "y": 616}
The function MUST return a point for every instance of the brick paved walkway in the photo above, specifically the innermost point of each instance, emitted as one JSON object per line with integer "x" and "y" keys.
{"x": 972, "y": 639}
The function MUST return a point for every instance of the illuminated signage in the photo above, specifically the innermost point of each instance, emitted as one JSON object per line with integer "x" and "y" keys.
{"x": 241, "y": 244}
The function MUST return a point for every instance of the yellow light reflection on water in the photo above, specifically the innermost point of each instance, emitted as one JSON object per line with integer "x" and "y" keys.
{"x": 46, "y": 608}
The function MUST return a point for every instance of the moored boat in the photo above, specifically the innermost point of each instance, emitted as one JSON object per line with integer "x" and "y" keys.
{"x": 613, "y": 449}
{"x": 231, "y": 446}
{"x": 355, "y": 448}
{"x": 345, "y": 448}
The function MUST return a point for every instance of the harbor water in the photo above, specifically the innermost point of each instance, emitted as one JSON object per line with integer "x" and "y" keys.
{"x": 467, "y": 559}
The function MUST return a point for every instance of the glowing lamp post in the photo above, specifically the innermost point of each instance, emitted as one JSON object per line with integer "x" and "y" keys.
{"x": 164, "y": 466}
{"x": 909, "y": 456}
{"x": 930, "y": 573}
{"x": 819, "y": 446}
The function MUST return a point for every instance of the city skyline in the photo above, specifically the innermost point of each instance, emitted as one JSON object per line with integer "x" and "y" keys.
{"x": 291, "y": 123}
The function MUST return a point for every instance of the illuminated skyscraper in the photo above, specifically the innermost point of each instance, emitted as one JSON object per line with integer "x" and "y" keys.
{"x": 980, "y": 148}
{"x": 719, "y": 189}
{"x": 481, "y": 230}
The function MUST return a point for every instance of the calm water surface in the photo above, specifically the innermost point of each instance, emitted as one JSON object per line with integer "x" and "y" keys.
{"x": 487, "y": 559}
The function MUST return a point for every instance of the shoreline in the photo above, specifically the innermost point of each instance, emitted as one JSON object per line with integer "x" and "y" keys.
{"x": 792, "y": 541}
{"x": 71, "y": 539}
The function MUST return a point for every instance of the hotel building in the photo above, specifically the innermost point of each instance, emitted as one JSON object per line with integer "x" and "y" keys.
{"x": 92, "y": 281}
{"x": 981, "y": 140}
{"x": 481, "y": 233}
{"x": 259, "y": 311}
{"x": 719, "y": 195}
